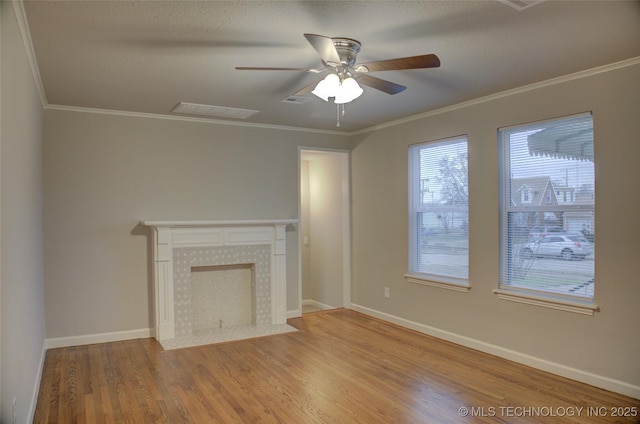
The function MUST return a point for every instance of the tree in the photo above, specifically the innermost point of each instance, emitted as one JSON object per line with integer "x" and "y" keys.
{"x": 453, "y": 179}
{"x": 454, "y": 188}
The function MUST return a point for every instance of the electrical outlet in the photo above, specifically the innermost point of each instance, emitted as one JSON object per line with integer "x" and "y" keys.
{"x": 386, "y": 292}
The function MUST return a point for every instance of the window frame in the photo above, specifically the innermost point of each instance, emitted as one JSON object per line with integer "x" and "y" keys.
{"x": 520, "y": 294}
{"x": 414, "y": 186}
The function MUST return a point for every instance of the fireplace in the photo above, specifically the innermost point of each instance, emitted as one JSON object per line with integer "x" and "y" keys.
{"x": 235, "y": 265}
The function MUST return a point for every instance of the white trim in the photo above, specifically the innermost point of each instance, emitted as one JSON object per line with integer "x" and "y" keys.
{"x": 294, "y": 313}
{"x": 36, "y": 389}
{"x": 521, "y": 4}
{"x": 142, "y": 333}
{"x": 416, "y": 205}
{"x": 189, "y": 119}
{"x": 541, "y": 84}
{"x": 522, "y": 358}
{"x": 317, "y": 304}
{"x": 25, "y": 34}
{"x": 345, "y": 158}
{"x": 300, "y": 231}
{"x": 585, "y": 308}
{"x": 346, "y": 228}
{"x": 460, "y": 287}
{"x": 535, "y": 125}
{"x": 205, "y": 223}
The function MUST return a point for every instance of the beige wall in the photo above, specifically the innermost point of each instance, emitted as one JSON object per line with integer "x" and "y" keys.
{"x": 606, "y": 344}
{"x": 105, "y": 173}
{"x": 22, "y": 334}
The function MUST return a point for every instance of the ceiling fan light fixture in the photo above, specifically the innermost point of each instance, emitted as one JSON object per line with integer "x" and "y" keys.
{"x": 328, "y": 87}
{"x": 339, "y": 57}
{"x": 344, "y": 91}
{"x": 349, "y": 91}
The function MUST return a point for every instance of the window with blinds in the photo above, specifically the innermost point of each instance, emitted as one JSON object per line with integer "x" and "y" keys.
{"x": 439, "y": 211}
{"x": 547, "y": 241}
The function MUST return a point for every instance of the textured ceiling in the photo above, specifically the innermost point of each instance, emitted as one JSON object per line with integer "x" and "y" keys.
{"x": 147, "y": 56}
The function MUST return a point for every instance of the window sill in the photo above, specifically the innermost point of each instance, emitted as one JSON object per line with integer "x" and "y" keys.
{"x": 585, "y": 308}
{"x": 447, "y": 285}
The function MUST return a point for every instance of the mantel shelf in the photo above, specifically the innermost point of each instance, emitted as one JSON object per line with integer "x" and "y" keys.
{"x": 218, "y": 223}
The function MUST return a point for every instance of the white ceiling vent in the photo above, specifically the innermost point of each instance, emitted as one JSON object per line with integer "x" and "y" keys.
{"x": 213, "y": 111}
{"x": 520, "y": 5}
{"x": 298, "y": 100}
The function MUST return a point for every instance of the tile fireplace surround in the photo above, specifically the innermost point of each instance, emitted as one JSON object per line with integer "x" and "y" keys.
{"x": 180, "y": 245}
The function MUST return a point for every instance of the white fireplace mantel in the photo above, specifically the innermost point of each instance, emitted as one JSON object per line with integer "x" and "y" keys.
{"x": 170, "y": 235}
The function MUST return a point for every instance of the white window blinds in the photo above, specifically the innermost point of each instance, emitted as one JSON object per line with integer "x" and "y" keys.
{"x": 547, "y": 242}
{"x": 439, "y": 210}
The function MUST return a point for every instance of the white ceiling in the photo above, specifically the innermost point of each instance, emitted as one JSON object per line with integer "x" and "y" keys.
{"x": 147, "y": 56}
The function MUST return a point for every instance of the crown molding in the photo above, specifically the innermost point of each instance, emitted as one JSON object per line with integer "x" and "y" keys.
{"x": 190, "y": 119}
{"x": 479, "y": 100}
{"x": 506, "y": 93}
{"x": 25, "y": 35}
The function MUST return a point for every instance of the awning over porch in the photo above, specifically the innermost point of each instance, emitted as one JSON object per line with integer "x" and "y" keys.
{"x": 571, "y": 139}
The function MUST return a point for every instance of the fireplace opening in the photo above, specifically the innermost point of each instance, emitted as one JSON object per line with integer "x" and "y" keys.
{"x": 222, "y": 296}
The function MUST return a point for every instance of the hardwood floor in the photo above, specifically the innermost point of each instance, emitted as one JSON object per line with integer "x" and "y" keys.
{"x": 341, "y": 367}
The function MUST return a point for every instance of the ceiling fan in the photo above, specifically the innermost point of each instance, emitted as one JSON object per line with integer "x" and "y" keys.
{"x": 339, "y": 57}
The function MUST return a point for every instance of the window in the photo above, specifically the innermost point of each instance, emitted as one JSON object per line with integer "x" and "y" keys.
{"x": 547, "y": 241}
{"x": 439, "y": 213}
{"x": 526, "y": 195}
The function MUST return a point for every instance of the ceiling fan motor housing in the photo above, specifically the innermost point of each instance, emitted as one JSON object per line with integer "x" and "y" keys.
{"x": 347, "y": 49}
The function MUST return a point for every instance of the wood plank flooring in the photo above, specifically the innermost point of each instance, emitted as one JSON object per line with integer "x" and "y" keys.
{"x": 341, "y": 367}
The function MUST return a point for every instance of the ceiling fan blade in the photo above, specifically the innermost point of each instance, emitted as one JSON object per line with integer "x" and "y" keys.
{"x": 307, "y": 89}
{"x": 324, "y": 46}
{"x": 257, "y": 68}
{"x": 380, "y": 84}
{"x": 401, "y": 63}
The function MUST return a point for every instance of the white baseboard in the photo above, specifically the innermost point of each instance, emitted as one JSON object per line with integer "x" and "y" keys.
{"x": 296, "y": 313}
{"x": 36, "y": 389}
{"x": 541, "y": 364}
{"x": 98, "y": 338}
{"x": 317, "y": 304}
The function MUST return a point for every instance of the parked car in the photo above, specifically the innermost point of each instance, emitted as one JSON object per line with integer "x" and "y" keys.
{"x": 543, "y": 230}
{"x": 565, "y": 246}
{"x": 431, "y": 231}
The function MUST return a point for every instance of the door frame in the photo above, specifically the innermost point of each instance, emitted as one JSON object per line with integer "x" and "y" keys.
{"x": 345, "y": 158}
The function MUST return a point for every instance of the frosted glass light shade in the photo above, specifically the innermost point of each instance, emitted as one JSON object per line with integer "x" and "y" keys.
{"x": 344, "y": 91}
{"x": 328, "y": 87}
{"x": 349, "y": 91}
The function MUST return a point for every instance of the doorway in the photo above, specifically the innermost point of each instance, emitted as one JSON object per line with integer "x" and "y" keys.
{"x": 324, "y": 236}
